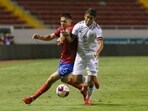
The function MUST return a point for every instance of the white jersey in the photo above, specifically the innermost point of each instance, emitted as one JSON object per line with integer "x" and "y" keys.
{"x": 87, "y": 37}
{"x": 87, "y": 46}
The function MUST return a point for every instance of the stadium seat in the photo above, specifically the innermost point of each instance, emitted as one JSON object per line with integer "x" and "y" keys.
{"x": 111, "y": 13}
{"x": 7, "y": 18}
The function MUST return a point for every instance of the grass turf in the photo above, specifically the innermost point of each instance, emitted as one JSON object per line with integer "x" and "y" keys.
{"x": 124, "y": 86}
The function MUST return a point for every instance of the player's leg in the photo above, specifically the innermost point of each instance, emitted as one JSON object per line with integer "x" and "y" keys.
{"x": 84, "y": 79}
{"x": 77, "y": 78}
{"x": 82, "y": 87}
{"x": 52, "y": 78}
{"x": 70, "y": 79}
{"x": 96, "y": 82}
{"x": 92, "y": 69}
{"x": 90, "y": 89}
{"x": 78, "y": 70}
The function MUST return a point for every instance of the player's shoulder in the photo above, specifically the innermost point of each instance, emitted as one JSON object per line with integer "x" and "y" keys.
{"x": 59, "y": 28}
{"x": 97, "y": 25}
{"x": 70, "y": 27}
{"x": 80, "y": 23}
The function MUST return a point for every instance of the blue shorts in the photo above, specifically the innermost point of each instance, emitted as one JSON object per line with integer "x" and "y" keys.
{"x": 65, "y": 69}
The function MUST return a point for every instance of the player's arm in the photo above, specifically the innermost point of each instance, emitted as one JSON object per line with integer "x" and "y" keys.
{"x": 70, "y": 37}
{"x": 60, "y": 40}
{"x": 65, "y": 35}
{"x": 100, "y": 47}
{"x": 74, "y": 33}
{"x": 43, "y": 37}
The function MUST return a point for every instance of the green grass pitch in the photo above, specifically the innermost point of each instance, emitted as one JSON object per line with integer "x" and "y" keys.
{"x": 124, "y": 86}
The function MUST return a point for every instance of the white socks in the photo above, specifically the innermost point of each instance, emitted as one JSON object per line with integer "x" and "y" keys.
{"x": 90, "y": 92}
{"x": 84, "y": 79}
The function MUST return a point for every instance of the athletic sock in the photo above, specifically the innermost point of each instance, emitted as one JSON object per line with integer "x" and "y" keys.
{"x": 89, "y": 92}
{"x": 41, "y": 90}
{"x": 84, "y": 79}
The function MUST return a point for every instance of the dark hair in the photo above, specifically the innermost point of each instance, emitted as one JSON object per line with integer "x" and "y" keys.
{"x": 91, "y": 11}
{"x": 66, "y": 15}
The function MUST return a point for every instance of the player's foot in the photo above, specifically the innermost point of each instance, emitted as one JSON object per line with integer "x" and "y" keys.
{"x": 28, "y": 100}
{"x": 84, "y": 92}
{"x": 87, "y": 102}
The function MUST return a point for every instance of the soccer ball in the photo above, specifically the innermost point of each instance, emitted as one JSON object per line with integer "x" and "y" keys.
{"x": 62, "y": 90}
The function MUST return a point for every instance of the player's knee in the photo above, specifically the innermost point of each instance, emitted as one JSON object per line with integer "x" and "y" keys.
{"x": 71, "y": 80}
{"x": 77, "y": 81}
{"x": 51, "y": 79}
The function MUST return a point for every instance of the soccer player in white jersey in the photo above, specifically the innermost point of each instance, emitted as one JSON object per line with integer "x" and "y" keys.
{"x": 90, "y": 44}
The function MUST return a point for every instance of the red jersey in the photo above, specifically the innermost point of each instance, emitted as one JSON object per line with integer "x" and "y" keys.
{"x": 68, "y": 49}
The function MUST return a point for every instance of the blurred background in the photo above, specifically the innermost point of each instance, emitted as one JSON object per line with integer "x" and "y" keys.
{"x": 124, "y": 24}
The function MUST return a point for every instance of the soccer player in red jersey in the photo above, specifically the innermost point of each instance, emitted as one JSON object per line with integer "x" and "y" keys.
{"x": 68, "y": 53}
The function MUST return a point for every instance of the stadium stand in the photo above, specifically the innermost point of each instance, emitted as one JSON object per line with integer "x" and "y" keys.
{"x": 124, "y": 24}
{"x": 112, "y": 14}
{"x": 144, "y": 2}
{"x": 7, "y": 18}
{"x": 18, "y": 16}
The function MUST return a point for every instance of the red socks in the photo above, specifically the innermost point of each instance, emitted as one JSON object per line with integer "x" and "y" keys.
{"x": 78, "y": 86}
{"x": 45, "y": 87}
{"x": 41, "y": 90}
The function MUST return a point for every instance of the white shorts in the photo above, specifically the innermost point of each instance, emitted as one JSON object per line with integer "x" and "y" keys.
{"x": 90, "y": 63}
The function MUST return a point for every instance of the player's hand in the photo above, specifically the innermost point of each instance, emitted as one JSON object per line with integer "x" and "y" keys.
{"x": 35, "y": 36}
{"x": 60, "y": 40}
{"x": 96, "y": 55}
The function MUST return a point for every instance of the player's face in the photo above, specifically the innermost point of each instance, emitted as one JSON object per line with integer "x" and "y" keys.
{"x": 65, "y": 22}
{"x": 89, "y": 19}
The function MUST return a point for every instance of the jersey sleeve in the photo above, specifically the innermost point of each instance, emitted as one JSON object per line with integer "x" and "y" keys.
{"x": 75, "y": 30}
{"x": 99, "y": 33}
{"x": 57, "y": 32}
